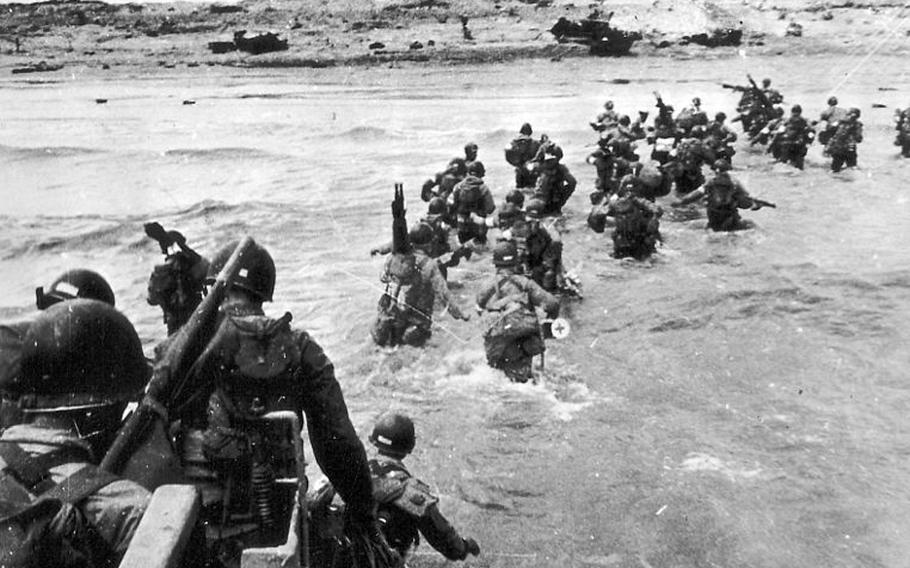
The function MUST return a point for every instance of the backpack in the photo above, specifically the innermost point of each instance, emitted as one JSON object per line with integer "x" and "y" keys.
{"x": 40, "y": 525}
{"x": 262, "y": 350}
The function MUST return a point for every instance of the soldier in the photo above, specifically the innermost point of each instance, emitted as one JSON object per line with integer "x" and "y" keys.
{"x": 690, "y": 117}
{"x": 773, "y": 95}
{"x": 540, "y": 249}
{"x": 607, "y": 119}
{"x": 555, "y": 184}
{"x": 724, "y": 196}
{"x": 254, "y": 365}
{"x": 842, "y": 145}
{"x": 406, "y": 504}
{"x": 720, "y": 138}
{"x": 82, "y": 362}
{"x": 902, "y": 125}
{"x": 520, "y": 154}
{"x": 831, "y": 116}
{"x": 637, "y": 228}
{"x": 445, "y": 181}
{"x": 513, "y": 334}
{"x": 177, "y": 284}
{"x": 471, "y": 202}
{"x": 72, "y": 284}
{"x": 413, "y": 284}
{"x": 792, "y": 140}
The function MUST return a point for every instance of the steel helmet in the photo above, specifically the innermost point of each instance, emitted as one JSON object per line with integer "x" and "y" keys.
{"x": 437, "y": 206}
{"x": 517, "y": 197}
{"x": 78, "y": 354}
{"x": 796, "y": 109}
{"x": 526, "y": 129}
{"x": 256, "y": 274}
{"x": 394, "y": 434}
{"x": 625, "y": 120}
{"x": 476, "y": 168}
{"x": 696, "y": 101}
{"x": 721, "y": 166}
{"x": 77, "y": 283}
{"x": 832, "y": 101}
{"x": 470, "y": 150}
{"x": 535, "y": 208}
{"x": 720, "y": 117}
{"x": 854, "y": 111}
{"x": 766, "y": 82}
{"x": 608, "y": 105}
{"x": 420, "y": 235}
{"x": 509, "y": 212}
{"x": 505, "y": 253}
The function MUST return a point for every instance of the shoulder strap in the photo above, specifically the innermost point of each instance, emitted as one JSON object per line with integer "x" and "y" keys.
{"x": 33, "y": 471}
{"x": 71, "y": 490}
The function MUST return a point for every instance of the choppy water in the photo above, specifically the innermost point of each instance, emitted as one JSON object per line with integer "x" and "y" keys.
{"x": 739, "y": 401}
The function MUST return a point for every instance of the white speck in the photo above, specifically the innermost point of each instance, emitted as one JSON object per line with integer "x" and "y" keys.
{"x": 661, "y": 510}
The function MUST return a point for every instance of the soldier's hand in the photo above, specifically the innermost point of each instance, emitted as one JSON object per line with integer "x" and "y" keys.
{"x": 472, "y": 546}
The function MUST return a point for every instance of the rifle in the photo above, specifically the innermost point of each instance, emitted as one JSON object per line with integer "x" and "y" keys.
{"x": 400, "y": 241}
{"x": 763, "y": 203}
{"x": 176, "y": 285}
{"x": 762, "y": 97}
{"x": 179, "y": 356}
{"x": 660, "y": 102}
{"x": 738, "y": 88}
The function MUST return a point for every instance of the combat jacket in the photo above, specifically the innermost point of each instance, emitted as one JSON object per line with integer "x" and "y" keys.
{"x": 315, "y": 390}
{"x": 509, "y": 291}
{"x": 417, "y": 298}
{"x": 407, "y": 506}
{"x": 472, "y": 195}
{"x": 113, "y": 511}
{"x": 849, "y": 133}
{"x": 726, "y": 194}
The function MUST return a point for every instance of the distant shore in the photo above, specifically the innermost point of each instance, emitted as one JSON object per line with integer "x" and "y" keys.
{"x": 383, "y": 33}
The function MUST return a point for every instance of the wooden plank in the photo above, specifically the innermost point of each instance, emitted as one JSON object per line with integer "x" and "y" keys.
{"x": 165, "y": 528}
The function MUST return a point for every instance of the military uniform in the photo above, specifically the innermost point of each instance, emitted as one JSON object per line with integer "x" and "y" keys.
{"x": 520, "y": 153}
{"x": 413, "y": 285}
{"x": 725, "y": 196}
{"x": 513, "y": 334}
{"x": 637, "y": 228}
{"x": 842, "y": 145}
{"x": 554, "y": 186}
{"x": 791, "y": 143}
{"x": 407, "y": 508}
{"x": 471, "y": 198}
{"x": 104, "y": 522}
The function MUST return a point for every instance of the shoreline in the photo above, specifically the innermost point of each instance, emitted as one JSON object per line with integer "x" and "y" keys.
{"x": 360, "y": 33}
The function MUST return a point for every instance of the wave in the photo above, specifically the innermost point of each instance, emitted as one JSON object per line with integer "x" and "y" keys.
{"x": 226, "y": 153}
{"x": 17, "y": 153}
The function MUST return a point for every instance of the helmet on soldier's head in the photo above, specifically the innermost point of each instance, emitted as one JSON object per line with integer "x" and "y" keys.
{"x": 78, "y": 355}
{"x": 476, "y": 169}
{"x": 766, "y": 82}
{"x": 526, "y": 129}
{"x": 779, "y": 111}
{"x": 470, "y": 150}
{"x": 625, "y": 120}
{"x": 535, "y": 208}
{"x": 832, "y": 101}
{"x": 696, "y": 101}
{"x": 256, "y": 274}
{"x": 517, "y": 197}
{"x": 420, "y": 235}
{"x": 509, "y": 212}
{"x": 78, "y": 283}
{"x": 854, "y": 112}
{"x": 394, "y": 434}
{"x": 796, "y": 109}
{"x": 505, "y": 254}
{"x": 721, "y": 165}
{"x": 608, "y": 105}
{"x": 720, "y": 117}
{"x": 554, "y": 152}
{"x": 437, "y": 206}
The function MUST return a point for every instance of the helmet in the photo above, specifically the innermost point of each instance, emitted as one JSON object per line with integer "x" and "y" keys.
{"x": 625, "y": 120}
{"x": 517, "y": 197}
{"x": 854, "y": 111}
{"x": 394, "y": 433}
{"x": 608, "y": 105}
{"x": 76, "y": 354}
{"x": 796, "y": 109}
{"x": 509, "y": 212}
{"x": 420, "y": 234}
{"x": 526, "y": 129}
{"x": 78, "y": 283}
{"x": 437, "y": 206}
{"x": 505, "y": 254}
{"x": 721, "y": 166}
{"x": 554, "y": 152}
{"x": 256, "y": 274}
{"x": 766, "y": 82}
{"x": 535, "y": 208}
{"x": 832, "y": 101}
{"x": 470, "y": 150}
{"x": 696, "y": 101}
{"x": 721, "y": 116}
{"x": 476, "y": 169}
